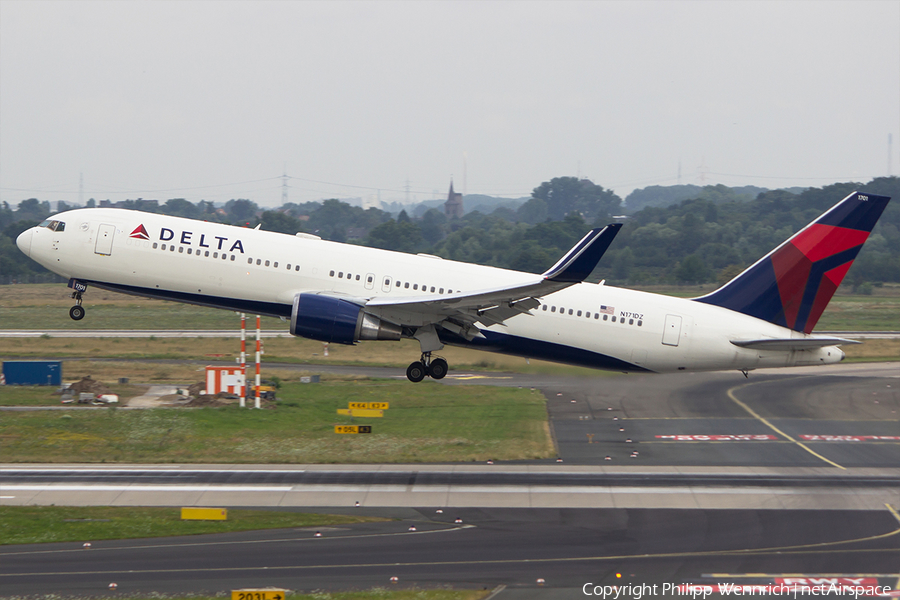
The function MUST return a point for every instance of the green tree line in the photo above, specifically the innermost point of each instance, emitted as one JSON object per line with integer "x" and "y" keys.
{"x": 710, "y": 237}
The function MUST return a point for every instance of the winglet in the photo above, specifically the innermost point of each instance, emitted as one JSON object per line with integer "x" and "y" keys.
{"x": 578, "y": 262}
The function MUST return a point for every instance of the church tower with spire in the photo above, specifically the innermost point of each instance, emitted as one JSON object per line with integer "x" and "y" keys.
{"x": 453, "y": 207}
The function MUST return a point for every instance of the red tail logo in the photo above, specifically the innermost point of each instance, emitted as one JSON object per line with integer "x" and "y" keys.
{"x": 140, "y": 233}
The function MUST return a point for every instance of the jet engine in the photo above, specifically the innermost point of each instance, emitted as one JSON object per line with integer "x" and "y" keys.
{"x": 330, "y": 319}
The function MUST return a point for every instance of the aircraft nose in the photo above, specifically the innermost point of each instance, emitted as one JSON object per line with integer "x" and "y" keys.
{"x": 24, "y": 241}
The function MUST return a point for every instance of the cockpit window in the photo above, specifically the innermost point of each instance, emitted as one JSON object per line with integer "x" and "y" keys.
{"x": 53, "y": 225}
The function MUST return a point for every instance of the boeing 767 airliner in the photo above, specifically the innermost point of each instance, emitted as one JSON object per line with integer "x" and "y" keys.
{"x": 342, "y": 293}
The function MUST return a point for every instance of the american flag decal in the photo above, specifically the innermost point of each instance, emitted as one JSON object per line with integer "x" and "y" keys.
{"x": 607, "y": 310}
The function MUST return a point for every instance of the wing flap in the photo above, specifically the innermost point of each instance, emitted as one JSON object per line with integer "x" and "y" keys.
{"x": 493, "y": 306}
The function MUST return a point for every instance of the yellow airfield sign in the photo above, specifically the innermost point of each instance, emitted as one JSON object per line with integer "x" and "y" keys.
{"x": 353, "y": 429}
{"x": 204, "y": 514}
{"x": 360, "y": 412}
{"x": 258, "y": 594}
{"x": 369, "y": 405}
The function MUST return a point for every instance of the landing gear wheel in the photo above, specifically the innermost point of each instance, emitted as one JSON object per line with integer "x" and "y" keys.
{"x": 415, "y": 372}
{"x": 77, "y": 313}
{"x": 438, "y": 368}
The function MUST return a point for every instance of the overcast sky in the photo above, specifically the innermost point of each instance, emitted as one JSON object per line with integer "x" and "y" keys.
{"x": 212, "y": 100}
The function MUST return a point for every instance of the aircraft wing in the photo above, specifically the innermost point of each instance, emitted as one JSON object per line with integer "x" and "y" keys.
{"x": 460, "y": 311}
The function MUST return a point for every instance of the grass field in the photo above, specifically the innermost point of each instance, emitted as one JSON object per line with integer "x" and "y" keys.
{"x": 44, "y": 524}
{"x": 428, "y": 422}
{"x": 45, "y": 306}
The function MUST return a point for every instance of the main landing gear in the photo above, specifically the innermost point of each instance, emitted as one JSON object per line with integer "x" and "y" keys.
{"x": 436, "y": 369}
{"x": 77, "y": 311}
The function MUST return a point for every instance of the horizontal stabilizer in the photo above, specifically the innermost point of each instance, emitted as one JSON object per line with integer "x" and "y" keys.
{"x": 810, "y": 343}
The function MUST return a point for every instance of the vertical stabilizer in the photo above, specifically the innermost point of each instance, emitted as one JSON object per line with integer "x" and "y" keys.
{"x": 792, "y": 284}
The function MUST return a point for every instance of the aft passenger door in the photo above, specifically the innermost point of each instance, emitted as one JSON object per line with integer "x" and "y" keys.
{"x": 105, "y": 236}
{"x": 672, "y": 330}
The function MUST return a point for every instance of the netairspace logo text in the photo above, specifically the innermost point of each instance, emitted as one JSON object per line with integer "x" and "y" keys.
{"x": 795, "y": 590}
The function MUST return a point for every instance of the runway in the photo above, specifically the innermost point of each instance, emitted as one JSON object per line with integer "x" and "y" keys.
{"x": 492, "y": 547}
{"x": 788, "y": 474}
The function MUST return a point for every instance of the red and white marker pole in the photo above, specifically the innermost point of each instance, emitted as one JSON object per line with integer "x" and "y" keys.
{"x": 244, "y": 360}
{"x": 257, "y": 361}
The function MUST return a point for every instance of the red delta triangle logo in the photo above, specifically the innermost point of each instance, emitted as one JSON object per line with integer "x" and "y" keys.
{"x": 140, "y": 233}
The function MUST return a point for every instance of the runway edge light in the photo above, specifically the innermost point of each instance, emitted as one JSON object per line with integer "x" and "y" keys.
{"x": 259, "y": 594}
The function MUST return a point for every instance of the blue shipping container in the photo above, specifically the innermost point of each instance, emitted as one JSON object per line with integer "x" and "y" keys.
{"x": 33, "y": 372}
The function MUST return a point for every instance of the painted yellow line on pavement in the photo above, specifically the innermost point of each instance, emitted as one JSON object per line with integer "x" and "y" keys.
{"x": 775, "y": 429}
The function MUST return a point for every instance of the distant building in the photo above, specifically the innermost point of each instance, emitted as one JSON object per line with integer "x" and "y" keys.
{"x": 357, "y": 233}
{"x": 453, "y": 207}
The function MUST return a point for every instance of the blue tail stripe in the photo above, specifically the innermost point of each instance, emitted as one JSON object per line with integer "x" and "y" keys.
{"x": 816, "y": 273}
{"x": 856, "y": 214}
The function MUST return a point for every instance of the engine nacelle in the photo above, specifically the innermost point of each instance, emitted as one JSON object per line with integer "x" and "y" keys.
{"x": 329, "y": 319}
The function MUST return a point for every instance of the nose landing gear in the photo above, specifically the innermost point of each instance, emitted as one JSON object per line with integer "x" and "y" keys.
{"x": 436, "y": 369}
{"x": 77, "y": 311}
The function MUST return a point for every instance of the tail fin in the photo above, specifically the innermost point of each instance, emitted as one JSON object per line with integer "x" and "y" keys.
{"x": 792, "y": 284}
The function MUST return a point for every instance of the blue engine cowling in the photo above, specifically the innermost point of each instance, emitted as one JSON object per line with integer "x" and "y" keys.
{"x": 329, "y": 319}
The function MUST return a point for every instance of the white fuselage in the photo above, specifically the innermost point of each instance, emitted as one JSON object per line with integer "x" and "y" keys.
{"x": 258, "y": 271}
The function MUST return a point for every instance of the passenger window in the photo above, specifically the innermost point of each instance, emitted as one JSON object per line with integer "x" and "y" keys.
{"x": 369, "y": 279}
{"x": 341, "y": 275}
{"x": 398, "y": 284}
{"x": 275, "y": 265}
{"x": 154, "y": 245}
{"x": 415, "y": 286}
{"x": 605, "y": 317}
{"x": 258, "y": 261}
{"x": 297, "y": 268}
{"x": 441, "y": 291}
{"x": 613, "y": 319}
{"x": 579, "y": 313}
{"x": 406, "y": 285}
{"x": 570, "y": 311}
{"x": 553, "y": 309}
{"x": 224, "y": 256}
{"x": 596, "y": 315}
{"x": 544, "y": 308}
{"x": 267, "y": 263}
{"x": 180, "y": 249}
{"x": 331, "y": 274}
{"x": 171, "y": 248}
{"x": 249, "y": 261}
{"x": 640, "y": 323}
{"x": 190, "y": 250}
{"x": 216, "y": 255}
{"x": 357, "y": 277}
{"x": 206, "y": 253}
{"x": 631, "y": 321}
{"x": 232, "y": 258}
{"x": 163, "y": 246}
{"x": 432, "y": 289}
